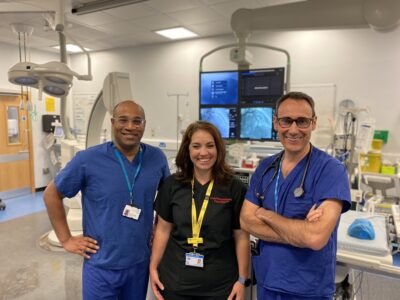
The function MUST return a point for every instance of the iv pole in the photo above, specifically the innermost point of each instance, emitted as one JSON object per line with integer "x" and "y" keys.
{"x": 178, "y": 117}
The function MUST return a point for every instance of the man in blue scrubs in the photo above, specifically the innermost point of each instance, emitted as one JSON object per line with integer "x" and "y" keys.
{"x": 118, "y": 181}
{"x": 293, "y": 206}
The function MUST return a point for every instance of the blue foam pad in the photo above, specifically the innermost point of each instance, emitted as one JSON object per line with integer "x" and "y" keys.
{"x": 362, "y": 229}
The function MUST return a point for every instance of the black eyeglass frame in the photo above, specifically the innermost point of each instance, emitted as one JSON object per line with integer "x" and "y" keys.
{"x": 296, "y": 121}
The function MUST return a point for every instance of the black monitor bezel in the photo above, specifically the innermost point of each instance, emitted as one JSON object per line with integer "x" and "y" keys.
{"x": 239, "y": 105}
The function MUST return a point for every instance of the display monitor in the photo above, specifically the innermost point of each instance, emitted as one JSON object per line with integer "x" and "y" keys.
{"x": 219, "y": 88}
{"x": 241, "y": 104}
{"x": 256, "y": 123}
{"x": 263, "y": 86}
{"x": 224, "y": 118}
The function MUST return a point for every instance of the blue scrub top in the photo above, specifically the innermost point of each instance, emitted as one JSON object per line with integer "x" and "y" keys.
{"x": 285, "y": 268}
{"x": 97, "y": 173}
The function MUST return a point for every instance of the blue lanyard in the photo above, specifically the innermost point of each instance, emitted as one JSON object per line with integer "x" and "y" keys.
{"x": 130, "y": 186}
{"x": 277, "y": 187}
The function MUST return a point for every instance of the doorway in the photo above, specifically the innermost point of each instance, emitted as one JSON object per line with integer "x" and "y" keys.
{"x": 16, "y": 151}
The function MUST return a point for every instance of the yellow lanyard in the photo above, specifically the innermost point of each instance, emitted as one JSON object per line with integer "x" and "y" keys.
{"x": 196, "y": 223}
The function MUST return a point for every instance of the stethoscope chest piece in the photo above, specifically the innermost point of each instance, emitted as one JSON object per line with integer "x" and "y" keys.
{"x": 298, "y": 192}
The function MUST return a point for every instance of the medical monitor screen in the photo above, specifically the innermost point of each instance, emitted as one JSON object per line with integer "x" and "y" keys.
{"x": 219, "y": 88}
{"x": 241, "y": 104}
{"x": 261, "y": 86}
{"x": 256, "y": 123}
{"x": 224, "y": 118}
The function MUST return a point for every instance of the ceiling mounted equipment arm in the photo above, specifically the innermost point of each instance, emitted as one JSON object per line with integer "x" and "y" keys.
{"x": 381, "y": 15}
{"x": 257, "y": 45}
{"x": 55, "y": 78}
{"x": 89, "y": 74}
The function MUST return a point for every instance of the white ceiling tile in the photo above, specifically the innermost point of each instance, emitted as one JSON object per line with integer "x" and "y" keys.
{"x": 20, "y": 17}
{"x": 50, "y": 35}
{"x": 38, "y": 20}
{"x": 38, "y": 30}
{"x": 119, "y": 28}
{"x": 228, "y": 8}
{"x": 157, "y": 22}
{"x": 210, "y": 2}
{"x": 119, "y": 41}
{"x": 93, "y": 19}
{"x": 132, "y": 24}
{"x": 98, "y": 45}
{"x": 148, "y": 37}
{"x": 82, "y": 33}
{"x": 132, "y": 11}
{"x": 35, "y": 41}
{"x": 174, "y": 5}
{"x": 195, "y": 16}
{"x": 211, "y": 28}
{"x": 28, "y": 5}
{"x": 277, "y": 2}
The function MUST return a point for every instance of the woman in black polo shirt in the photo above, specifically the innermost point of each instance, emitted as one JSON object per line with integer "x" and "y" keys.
{"x": 199, "y": 250}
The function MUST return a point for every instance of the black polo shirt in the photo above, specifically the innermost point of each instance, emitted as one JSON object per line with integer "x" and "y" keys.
{"x": 220, "y": 272}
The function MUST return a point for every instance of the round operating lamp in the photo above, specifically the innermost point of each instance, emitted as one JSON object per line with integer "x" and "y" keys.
{"x": 22, "y": 74}
{"x": 382, "y": 15}
{"x": 25, "y": 80}
{"x": 55, "y": 90}
{"x": 56, "y": 79}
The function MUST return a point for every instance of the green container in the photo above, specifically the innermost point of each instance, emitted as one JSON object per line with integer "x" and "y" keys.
{"x": 391, "y": 170}
{"x": 381, "y": 135}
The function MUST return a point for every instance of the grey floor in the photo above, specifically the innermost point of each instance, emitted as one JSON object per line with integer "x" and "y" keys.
{"x": 28, "y": 271}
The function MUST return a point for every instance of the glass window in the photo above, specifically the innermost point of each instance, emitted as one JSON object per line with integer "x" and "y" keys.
{"x": 13, "y": 125}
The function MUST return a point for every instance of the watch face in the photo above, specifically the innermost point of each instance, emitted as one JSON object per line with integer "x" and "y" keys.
{"x": 247, "y": 282}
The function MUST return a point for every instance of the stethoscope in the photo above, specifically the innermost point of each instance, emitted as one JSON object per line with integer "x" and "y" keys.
{"x": 298, "y": 192}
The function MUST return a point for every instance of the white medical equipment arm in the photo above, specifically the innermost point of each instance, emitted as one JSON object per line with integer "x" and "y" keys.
{"x": 381, "y": 15}
{"x": 287, "y": 84}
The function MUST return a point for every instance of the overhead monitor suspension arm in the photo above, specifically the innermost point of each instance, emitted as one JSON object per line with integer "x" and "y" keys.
{"x": 288, "y": 64}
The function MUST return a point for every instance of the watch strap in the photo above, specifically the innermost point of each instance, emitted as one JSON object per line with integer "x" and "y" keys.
{"x": 244, "y": 281}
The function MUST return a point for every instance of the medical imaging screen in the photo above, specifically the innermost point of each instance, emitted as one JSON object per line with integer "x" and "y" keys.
{"x": 256, "y": 123}
{"x": 261, "y": 86}
{"x": 223, "y": 118}
{"x": 219, "y": 88}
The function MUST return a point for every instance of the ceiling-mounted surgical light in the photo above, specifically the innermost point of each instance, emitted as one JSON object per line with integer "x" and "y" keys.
{"x": 54, "y": 78}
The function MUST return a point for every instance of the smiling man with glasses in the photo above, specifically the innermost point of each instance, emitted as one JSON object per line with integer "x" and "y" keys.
{"x": 293, "y": 206}
{"x": 294, "y": 121}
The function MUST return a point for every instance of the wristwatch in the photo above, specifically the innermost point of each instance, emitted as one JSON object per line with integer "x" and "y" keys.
{"x": 245, "y": 281}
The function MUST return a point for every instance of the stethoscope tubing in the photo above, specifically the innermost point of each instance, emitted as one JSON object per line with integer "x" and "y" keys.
{"x": 298, "y": 192}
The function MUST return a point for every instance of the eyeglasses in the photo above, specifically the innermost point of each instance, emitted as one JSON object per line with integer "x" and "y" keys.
{"x": 301, "y": 122}
{"x": 125, "y": 121}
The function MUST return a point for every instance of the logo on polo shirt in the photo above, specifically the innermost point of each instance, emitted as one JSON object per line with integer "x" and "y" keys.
{"x": 221, "y": 200}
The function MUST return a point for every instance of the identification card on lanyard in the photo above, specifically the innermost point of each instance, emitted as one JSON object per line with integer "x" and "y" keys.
{"x": 192, "y": 258}
{"x": 130, "y": 210}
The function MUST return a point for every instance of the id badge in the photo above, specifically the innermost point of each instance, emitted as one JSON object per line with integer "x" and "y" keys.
{"x": 194, "y": 260}
{"x": 131, "y": 212}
